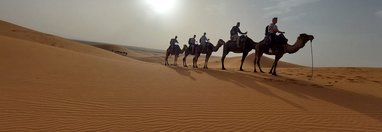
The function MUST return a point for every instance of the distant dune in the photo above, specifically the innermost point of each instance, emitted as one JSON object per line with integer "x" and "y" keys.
{"x": 49, "y": 83}
{"x": 14, "y": 31}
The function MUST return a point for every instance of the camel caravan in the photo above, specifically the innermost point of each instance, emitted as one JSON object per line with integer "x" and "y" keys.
{"x": 272, "y": 44}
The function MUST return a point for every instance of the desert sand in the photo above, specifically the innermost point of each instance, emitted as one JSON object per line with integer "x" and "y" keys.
{"x": 49, "y": 83}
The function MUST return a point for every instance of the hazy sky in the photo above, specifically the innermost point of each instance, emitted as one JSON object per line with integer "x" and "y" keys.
{"x": 347, "y": 32}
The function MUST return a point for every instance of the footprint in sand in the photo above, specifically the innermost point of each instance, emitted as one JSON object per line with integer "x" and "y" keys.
{"x": 352, "y": 80}
{"x": 315, "y": 85}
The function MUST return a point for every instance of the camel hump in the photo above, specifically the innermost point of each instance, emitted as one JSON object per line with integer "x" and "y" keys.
{"x": 174, "y": 46}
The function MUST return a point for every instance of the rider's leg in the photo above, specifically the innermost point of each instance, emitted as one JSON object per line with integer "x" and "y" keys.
{"x": 272, "y": 39}
{"x": 237, "y": 38}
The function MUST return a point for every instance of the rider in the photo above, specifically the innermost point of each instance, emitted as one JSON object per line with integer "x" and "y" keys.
{"x": 173, "y": 42}
{"x": 203, "y": 41}
{"x": 235, "y": 33}
{"x": 271, "y": 34}
{"x": 191, "y": 42}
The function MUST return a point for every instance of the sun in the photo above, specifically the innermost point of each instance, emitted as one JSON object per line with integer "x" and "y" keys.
{"x": 162, "y": 6}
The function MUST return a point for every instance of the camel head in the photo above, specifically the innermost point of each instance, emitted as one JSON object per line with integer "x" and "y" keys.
{"x": 305, "y": 37}
{"x": 249, "y": 41}
{"x": 183, "y": 49}
{"x": 300, "y": 43}
{"x": 221, "y": 42}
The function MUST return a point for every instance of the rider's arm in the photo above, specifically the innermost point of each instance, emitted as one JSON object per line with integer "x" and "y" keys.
{"x": 278, "y": 31}
{"x": 240, "y": 31}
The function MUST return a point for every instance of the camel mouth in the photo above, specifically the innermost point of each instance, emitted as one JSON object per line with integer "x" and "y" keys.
{"x": 311, "y": 38}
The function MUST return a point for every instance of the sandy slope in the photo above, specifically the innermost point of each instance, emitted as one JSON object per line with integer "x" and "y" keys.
{"x": 14, "y": 31}
{"x": 49, "y": 88}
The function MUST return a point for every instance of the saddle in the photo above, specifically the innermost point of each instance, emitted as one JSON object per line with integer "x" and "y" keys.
{"x": 242, "y": 40}
{"x": 277, "y": 43}
{"x": 173, "y": 48}
{"x": 192, "y": 49}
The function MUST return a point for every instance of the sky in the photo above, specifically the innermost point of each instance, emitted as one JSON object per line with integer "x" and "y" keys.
{"x": 347, "y": 32}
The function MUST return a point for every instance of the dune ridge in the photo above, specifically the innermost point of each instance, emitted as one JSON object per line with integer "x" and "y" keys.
{"x": 15, "y": 31}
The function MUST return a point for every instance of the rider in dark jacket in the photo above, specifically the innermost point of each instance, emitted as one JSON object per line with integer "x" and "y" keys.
{"x": 191, "y": 42}
{"x": 173, "y": 42}
{"x": 235, "y": 33}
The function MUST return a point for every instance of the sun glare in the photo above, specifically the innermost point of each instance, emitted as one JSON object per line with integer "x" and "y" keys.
{"x": 161, "y": 6}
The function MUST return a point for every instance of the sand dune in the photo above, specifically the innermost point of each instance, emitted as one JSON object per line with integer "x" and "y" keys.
{"x": 56, "y": 88}
{"x": 14, "y": 31}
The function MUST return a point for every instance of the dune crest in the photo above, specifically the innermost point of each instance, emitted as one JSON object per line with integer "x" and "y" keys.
{"x": 14, "y": 31}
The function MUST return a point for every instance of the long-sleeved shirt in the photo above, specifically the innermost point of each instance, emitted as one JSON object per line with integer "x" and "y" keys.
{"x": 236, "y": 30}
{"x": 173, "y": 41}
{"x": 272, "y": 28}
{"x": 203, "y": 39}
{"x": 191, "y": 41}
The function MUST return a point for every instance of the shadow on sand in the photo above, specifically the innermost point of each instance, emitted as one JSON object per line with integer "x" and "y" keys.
{"x": 182, "y": 71}
{"x": 366, "y": 104}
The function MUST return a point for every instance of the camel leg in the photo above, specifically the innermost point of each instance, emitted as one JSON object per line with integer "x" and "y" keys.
{"x": 166, "y": 60}
{"x": 255, "y": 62}
{"x": 271, "y": 71}
{"x": 274, "y": 69}
{"x": 276, "y": 61}
{"x": 258, "y": 62}
{"x": 242, "y": 60}
{"x": 206, "y": 61}
{"x": 273, "y": 66}
{"x": 223, "y": 58}
{"x": 194, "y": 61}
{"x": 176, "y": 60}
{"x": 184, "y": 60}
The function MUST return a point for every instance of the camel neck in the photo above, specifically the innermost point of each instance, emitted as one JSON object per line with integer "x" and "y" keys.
{"x": 295, "y": 47}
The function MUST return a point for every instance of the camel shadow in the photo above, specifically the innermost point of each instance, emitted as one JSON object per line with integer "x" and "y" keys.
{"x": 366, "y": 104}
{"x": 182, "y": 71}
{"x": 246, "y": 81}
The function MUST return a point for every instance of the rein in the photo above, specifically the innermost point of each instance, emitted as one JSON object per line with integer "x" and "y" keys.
{"x": 311, "y": 51}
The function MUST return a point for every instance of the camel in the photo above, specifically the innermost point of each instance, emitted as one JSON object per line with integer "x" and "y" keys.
{"x": 176, "y": 52}
{"x": 197, "y": 51}
{"x": 283, "y": 47}
{"x": 231, "y": 46}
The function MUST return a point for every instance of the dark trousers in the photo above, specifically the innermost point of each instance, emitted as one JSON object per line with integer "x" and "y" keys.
{"x": 172, "y": 47}
{"x": 272, "y": 38}
{"x": 192, "y": 47}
